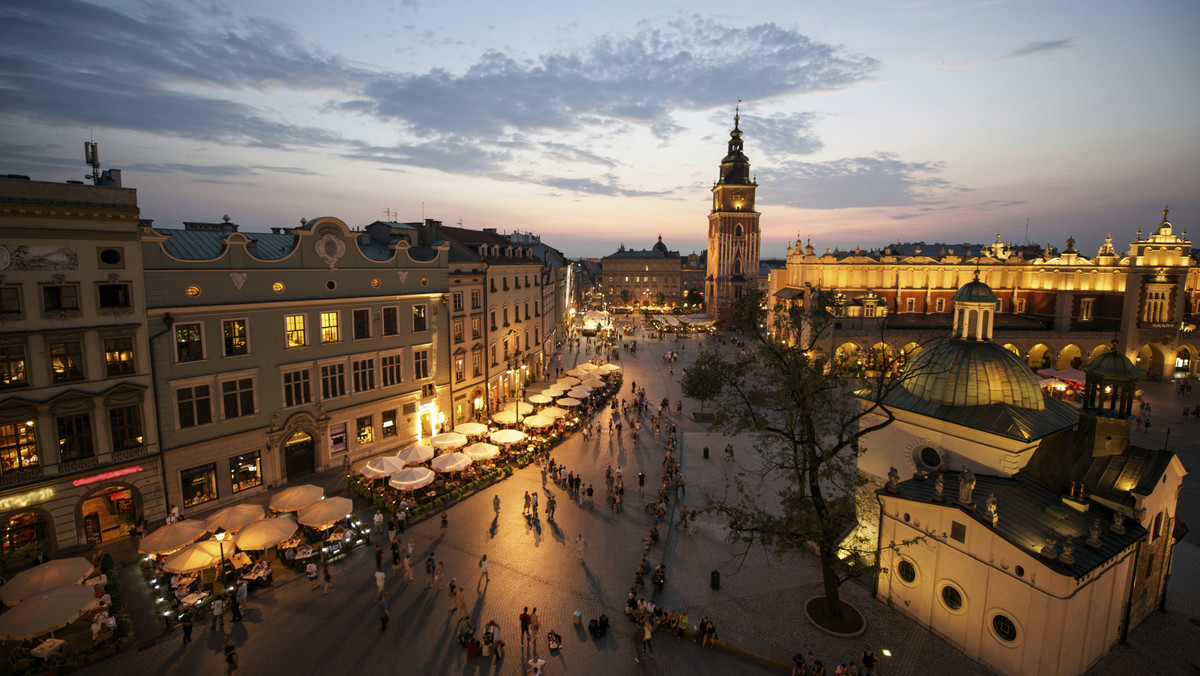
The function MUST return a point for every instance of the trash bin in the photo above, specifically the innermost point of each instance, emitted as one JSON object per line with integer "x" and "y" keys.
{"x": 715, "y": 580}
{"x": 706, "y": 452}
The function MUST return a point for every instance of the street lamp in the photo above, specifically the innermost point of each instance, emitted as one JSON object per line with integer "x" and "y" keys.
{"x": 220, "y": 535}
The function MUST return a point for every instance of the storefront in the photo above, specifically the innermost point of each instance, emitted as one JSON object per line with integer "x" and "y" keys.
{"x": 108, "y": 514}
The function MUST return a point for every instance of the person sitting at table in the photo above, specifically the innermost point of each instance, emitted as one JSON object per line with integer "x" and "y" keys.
{"x": 267, "y": 573}
{"x": 97, "y": 591}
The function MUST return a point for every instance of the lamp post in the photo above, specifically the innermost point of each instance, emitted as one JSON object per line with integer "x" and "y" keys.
{"x": 220, "y": 535}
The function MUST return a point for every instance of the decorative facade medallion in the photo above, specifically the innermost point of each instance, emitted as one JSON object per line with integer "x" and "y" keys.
{"x": 330, "y": 248}
{"x": 403, "y": 275}
{"x": 37, "y": 258}
{"x": 239, "y": 278}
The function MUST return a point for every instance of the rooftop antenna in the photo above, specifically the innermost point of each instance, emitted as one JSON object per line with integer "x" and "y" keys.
{"x": 91, "y": 157}
{"x": 1027, "y": 229}
{"x": 389, "y": 214}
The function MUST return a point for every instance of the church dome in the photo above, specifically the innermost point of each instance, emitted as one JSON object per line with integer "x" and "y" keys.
{"x": 957, "y": 372}
{"x": 660, "y": 247}
{"x": 975, "y": 292}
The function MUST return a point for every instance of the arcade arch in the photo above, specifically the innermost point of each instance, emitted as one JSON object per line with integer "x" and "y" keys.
{"x": 1070, "y": 357}
{"x": 1039, "y": 357}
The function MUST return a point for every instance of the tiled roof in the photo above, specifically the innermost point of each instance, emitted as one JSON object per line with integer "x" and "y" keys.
{"x": 207, "y": 245}
{"x": 643, "y": 254}
{"x": 1003, "y": 419}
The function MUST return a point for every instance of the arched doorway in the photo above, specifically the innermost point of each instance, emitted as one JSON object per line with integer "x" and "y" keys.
{"x": 28, "y": 531}
{"x": 1039, "y": 357}
{"x": 1097, "y": 351}
{"x": 1069, "y": 357}
{"x": 908, "y": 352}
{"x": 1013, "y": 348}
{"x": 847, "y": 359}
{"x": 1150, "y": 360}
{"x": 299, "y": 455}
{"x": 109, "y": 513}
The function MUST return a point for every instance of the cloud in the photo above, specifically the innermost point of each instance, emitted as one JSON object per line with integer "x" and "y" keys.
{"x": 216, "y": 171}
{"x": 782, "y": 133}
{"x": 608, "y": 186}
{"x": 879, "y": 181}
{"x": 1038, "y": 48}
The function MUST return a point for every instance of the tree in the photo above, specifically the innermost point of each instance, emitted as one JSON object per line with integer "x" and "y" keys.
{"x": 625, "y": 295}
{"x": 694, "y": 299}
{"x": 660, "y": 299}
{"x": 702, "y": 382}
{"x": 808, "y": 425}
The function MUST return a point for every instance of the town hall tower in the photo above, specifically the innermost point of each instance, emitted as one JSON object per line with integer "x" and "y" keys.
{"x": 732, "y": 233}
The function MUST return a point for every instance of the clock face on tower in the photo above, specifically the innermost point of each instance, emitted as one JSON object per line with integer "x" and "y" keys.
{"x": 739, "y": 198}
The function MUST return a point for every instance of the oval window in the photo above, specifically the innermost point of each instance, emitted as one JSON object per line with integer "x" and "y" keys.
{"x": 952, "y": 598}
{"x": 110, "y": 256}
{"x": 906, "y": 570}
{"x": 931, "y": 458}
{"x": 277, "y": 287}
{"x": 1006, "y": 629}
{"x": 424, "y": 281}
{"x": 193, "y": 291}
{"x": 375, "y": 283}
{"x": 331, "y": 285}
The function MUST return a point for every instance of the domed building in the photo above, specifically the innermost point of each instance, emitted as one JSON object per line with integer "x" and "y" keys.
{"x": 1042, "y": 535}
{"x": 642, "y": 277}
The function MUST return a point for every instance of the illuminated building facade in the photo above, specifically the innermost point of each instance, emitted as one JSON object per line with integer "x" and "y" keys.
{"x": 642, "y": 277}
{"x": 733, "y": 236}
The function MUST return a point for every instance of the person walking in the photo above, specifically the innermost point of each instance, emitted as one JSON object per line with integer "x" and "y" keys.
{"x": 533, "y": 504}
{"x": 524, "y": 619}
{"x": 647, "y": 634}
{"x": 581, "y": 545}
{"x": 395, "y": 554}
{"x": 328, "y": 578}
{"x": 483, "y": 570}
{"x": 218, "y": 613}
{"x": 378, "y": 558}
{"x": 430, "y": 570}
{"x": 551, "y": 504}
{"x": 381, "y": 607}
{"x": 496, "y": 503}
{"x": 380, "y": 580}
{"x": 408, "y": 568}
{"x": 445, "y": 521}
{"x": 641, "y": 483}
{"x": 453, "y": 591}
{"x": 525, "y": 509}
{"x": 535, "y": 626}
{"x": 497, "y": 644}
{"x": 311, "y": 571}
{"x": 186, "y": 623}
{"x": 243, "y": 592}
{"x": 440, "y": 575}
{"x": 235, "y": 609}
{"x": 377, "y": 521}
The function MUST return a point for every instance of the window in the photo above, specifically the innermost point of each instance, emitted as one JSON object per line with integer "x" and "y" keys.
{"x": 1006, "y": 629}
{"x": 930, "y": 457}
{"x": 294, "y": 326}
{"x": 337, "y": 438}
{"x": 245, "y": 471}
{"x": 535, "y": 310}
{"x": 477, "y": 364}
{"x": 460, "y": 368}
{"x": 941, "y": 305}
{"x": 199, "y": 484}
{"x": 362, "y": 324}
{"x": 329, "y": 327}
{"x": 428, "y": 390}
{"x": 194, "y": 405}
{"x": 60, "y": 298}
{"x": 125, "y": 426}
{"x": 189, "y": 343}
{"x": 476, "y": 301}
{"x": 66, "y": 361}
{"x": 1156, "y": 532}
{"x": 365, "y": 431}
{"x": 333, "y": 381}
{"x": 419, "y": 323}
{"x": 237, "y": 397}
{"x": 906, "y": 570}
{"x": 10, "y": 300}
{"x": 297, "y": 389}
{"x": 493, "y": 320}
{"x": 526, "y": 310}
{"x": 75, "y": 436}
{"x": 363, "y": 375}
{"x": 458, "y": 331}
{"x": 12, "y": 366}
{"x": 952, "y": 598}
{"x": 1156, "y": 307}
{"x": 420, "y": 364}
{"x": 393, "y": 369}
{"x": 391, "y": 321}
{"x": 1020, "y": 305}
{"x": 1085, "y": 310}
{"x": 389, "y": 423}
{"x": 237, "y": 340}
{"x": 118, "y": 355}
{"x": 476, "y": 330}
{"x": 910, "y": 304}
{"x": 869, "y": 310}
{"x": 18, "y": 446}
{"x": 24, "y": 530}
{"x": 114, "y": 295}
{"x": 958, "y": 531}
{"x": 457, "y": 300}
{"x": 506, "y": 316}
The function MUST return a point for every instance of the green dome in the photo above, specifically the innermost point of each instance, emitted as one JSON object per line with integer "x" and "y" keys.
{"x": 975, "y": 292}
{"x": 972, "y": 373}
{"x": 1112, "y": 365}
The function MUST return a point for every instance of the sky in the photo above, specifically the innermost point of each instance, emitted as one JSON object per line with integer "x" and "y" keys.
{"x": 597, "y": 124}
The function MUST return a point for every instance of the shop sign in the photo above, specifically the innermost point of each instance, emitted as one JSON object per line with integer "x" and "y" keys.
{"x": 26, "y": 499}
{"x": 116, "y": 473}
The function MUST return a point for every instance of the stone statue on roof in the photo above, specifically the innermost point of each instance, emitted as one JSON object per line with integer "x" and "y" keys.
{"x": 966, "y": 486}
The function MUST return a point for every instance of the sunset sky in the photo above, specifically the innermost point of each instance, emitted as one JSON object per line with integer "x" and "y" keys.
{"x": 598, "y": 123}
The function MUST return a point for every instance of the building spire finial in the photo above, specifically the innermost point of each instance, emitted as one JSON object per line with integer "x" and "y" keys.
{"x": 737, "y": 113}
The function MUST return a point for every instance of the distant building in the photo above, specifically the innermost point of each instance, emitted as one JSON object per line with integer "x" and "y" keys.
{"x": 1054, "y": 310}
{"x": 80, "y": 458}
{"x": 642, "y": 277}
{"x": 733, "y": 235}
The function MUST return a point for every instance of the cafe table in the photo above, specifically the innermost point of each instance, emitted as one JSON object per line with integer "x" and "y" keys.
{"x": 50, "y": 645}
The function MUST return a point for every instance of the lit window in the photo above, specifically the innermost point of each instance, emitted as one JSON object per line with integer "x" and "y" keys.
{"x": 12, "y": 366}
{"x": 245, "y": 471}
{"x": 419, "y": 323}
{"x": 199, "y": 484}
{"x": 66, "y": 361}
{"x": 294, "y": 326}
{"x": 118, "y": 355}
{"x": 389, "y": 423}
{"x": 193, "y": 291}
{"x": 365, "y": 430}
{"x": 237, "y": 341}
{"x": 277, "y": 287}
{"x": 189, "y": 345}
{"x": 329, "y": 327}
{"x": 18, "y": 446}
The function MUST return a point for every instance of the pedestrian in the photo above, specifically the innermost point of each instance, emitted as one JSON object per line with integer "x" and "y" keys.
{"x": 401, "y": 520}
{"x": 581, "y": 545}
{"x": 430, "y": 570}
{"x": 483, "y": 570}
{"x": 440, "y": 575}
{"x": 186, "y": 622}
{"x": 641, "y": 483}
{"x": 460, "y": 601}
{"x": 382, "y": 607}
{"x": 328, "y": 578}
{"x": 235, "y": 609}
{"x": 378, "y": 522}
{"x": 496, "y": 503}
{"x": 647, "y": 633}
{"x": 535, "y": 626}
{"x": 378, "y": 558}
{"x": 311, "y": 571}
{"x": 551, "y": 503}
{"x": 535, "y": 666}
{"x": 533, "y": 504}
{"x": 453, "y": 592}
{"x": 497, "y": 644}
{"x": 380, "y": 580}
{"x": 408, "y": 567}
{"x": 231, "y": 657}
{"x": 243, "y": 592}
{"x": 524, "y": 618}
{"x": 395, "y": 554}
{"x": 525, "y": 509}
{"x": 218, "y": 613}
{"x": 869, "y": 660}
{"x": 445, "y": 522}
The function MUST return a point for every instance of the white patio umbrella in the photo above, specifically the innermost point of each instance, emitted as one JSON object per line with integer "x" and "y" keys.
{"x": 451, "y": 462}
{"x": 471, "y": 429}
{"x": 505, "y": 417}
{"x": 577, "y": 372}
{"x": 591, "y": 382}
{"x": 45, "y": 612}
{"x": 608, "y": 368}
{"x": 567, "y": 381}
{"x": 449, "y": 440}
{"x": 552, "y": 412}
{"x": 296, "y": 497}
{"x": 505, "y": 437}
{"x": 199, "y": 556}
{"x": 538, "y": 421}
{"x": 587, "y": 366}
{"x": 171, "y": 537}
{"x": 416, "y": 454}
{"x": 481, "y": 451}
{"x": 411, "y": 477}
{"x": 519, "y": 407}
{"x": 324, "y": 513}
{"x": 386, "y": 465}
{"x": 266, "y": 533}
{"x": 568, "y": 402}
{"x": 554, "y": 392}
{"x": 234, "y": 518}
{"x": 50, "y": 575}
{"x": 539, "y": 399}
{"x": 580, "y": 392}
